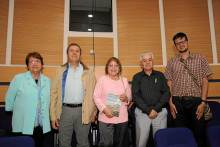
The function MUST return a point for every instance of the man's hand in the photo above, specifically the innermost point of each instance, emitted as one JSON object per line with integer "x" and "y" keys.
{"x": 93, "y": 119}
{"x": 55, "y": 124}
{"x": 153, "y": 114}
{"x": 108, "y": 112}
{"x": 200, "y": 110}
{"x": 173, "y": 110}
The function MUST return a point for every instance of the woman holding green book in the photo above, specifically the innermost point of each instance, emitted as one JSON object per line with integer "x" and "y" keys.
{"x": 112, "y": 95}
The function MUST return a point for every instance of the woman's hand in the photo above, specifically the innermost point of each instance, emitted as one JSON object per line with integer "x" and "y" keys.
{"x": 123, "y": 98}
{"x": 108, "y": 112}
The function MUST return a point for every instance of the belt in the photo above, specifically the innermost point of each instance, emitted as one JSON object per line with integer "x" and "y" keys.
{"x": 72, "y": 105}
{"x": 186, "y": 97}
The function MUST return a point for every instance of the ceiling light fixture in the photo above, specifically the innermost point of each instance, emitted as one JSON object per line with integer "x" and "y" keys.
{"x": 90, "y": 15}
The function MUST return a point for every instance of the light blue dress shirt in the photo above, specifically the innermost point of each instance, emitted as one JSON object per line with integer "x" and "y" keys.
{"x": 74, "y": 90}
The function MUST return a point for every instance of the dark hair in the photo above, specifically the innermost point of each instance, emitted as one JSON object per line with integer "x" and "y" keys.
{"x": 179, "y": 35}
{"x": 117, "y": 61}
{"x": 35, "y": 55}
{"x": 73, "y": 44}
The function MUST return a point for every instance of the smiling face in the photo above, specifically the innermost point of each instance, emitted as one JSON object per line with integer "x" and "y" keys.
{"x": 34, "y": 65}
{"x": 147, "y": 62}
{"x": 73, "y": 54}
{"x": 181, "y": 44}
{"x": 113, "y": 68}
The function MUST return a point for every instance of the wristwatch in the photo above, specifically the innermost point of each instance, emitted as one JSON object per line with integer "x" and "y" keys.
{"x": 205, "y": 101}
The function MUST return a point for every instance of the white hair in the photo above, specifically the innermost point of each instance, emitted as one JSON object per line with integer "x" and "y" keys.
{"x": 144, "y": 53}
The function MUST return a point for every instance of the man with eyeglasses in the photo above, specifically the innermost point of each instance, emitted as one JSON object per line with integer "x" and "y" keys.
{"x": 188, "y": 97}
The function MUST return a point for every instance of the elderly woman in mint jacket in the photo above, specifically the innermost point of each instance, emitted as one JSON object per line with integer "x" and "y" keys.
{"x": 29, "y": 98}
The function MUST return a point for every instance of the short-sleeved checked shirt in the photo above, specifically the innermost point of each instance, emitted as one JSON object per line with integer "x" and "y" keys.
{"x": 182, "y": 82}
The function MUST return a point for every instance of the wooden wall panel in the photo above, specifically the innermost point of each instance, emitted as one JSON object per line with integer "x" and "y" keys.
{"x": 4, "y": 6}
{"x": 3, "y": 91}
{"x": 38, "y": 26}
{"x": 192, "y": 18}
{"x": 8, "y": 73}
{"x": 216, "y": 70}
{"x": 103, "y": 49}
{"x": 138, "y": 31}
{"x": 216, "y": 13}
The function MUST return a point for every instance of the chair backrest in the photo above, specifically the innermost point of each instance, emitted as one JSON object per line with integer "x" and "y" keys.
{"x": 5, "y": 120}
{"x": 18, "y": 141}
{"x": 181, "y": 137}
{"x": 213, "y": 134}
{"x": 215, "y": 108}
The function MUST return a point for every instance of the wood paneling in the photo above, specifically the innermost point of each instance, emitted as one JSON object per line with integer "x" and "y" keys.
{"x": 190, "y": 17}
{"x": 38, "y": 26}
{"x": 4, "y": 6}
{"x": 216, "y": 13}
{"x": 3, "y": 91}
{"x": 138, "y": 31}
{"x": 103, "y": 49}
{"x": 8, "y": 73}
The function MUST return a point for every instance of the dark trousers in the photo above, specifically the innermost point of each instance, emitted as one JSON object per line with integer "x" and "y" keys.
{"x": 186, "y": 117}
{"x": 38, "y": 136}
{"x": 112, "y": 135}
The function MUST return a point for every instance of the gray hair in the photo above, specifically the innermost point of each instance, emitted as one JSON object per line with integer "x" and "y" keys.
{"x": 144, "y": 53}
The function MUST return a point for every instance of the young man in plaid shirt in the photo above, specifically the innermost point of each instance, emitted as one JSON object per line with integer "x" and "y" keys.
{"x": 188, "y": 99}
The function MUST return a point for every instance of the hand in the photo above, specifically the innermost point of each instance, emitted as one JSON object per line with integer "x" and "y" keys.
{"x": 123, "y": 98}
{"x": 173, "y": 110}
{"x": 200, "y": 110}
{"x": 153, "y": 114}
{"x": 55, "y": 124}
{"x": 93, "y": 119}
{"x": 108, "y": 112}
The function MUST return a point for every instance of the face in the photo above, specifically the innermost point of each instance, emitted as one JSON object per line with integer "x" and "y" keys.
{"x": 147, "y": 62}
{"x": 113, "y": 68}
{"x": 73, "y": 54}
{"x": 181, "y": 45}
{"x": 34, "y": 65}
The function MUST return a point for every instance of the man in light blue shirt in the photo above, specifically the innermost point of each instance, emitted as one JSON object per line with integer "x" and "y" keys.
{"x": 72, "y": 107}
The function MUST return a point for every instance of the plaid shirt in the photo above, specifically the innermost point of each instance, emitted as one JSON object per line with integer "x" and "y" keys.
{"x": 182, "y": 82}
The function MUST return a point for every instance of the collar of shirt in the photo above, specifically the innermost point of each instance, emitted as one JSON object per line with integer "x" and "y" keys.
{"x": 191, "y": 56}
{"x": 144, "y": 74}
{"x": 77, "y": 68}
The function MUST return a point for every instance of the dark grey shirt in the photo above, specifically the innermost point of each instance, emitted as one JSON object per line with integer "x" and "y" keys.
{"x": 150, "y": 92}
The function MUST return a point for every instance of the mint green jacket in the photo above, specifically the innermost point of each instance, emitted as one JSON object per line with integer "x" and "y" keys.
{"x": 21, "y": 98}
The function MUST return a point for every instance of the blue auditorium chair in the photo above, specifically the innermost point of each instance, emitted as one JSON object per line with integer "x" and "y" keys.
{"x": 176, "y": 137}
{"x": 215, "y": 108}
{"x": 213, "y": 134}
{"x": 18, "y": 141}
{"x": 5, "y": 123}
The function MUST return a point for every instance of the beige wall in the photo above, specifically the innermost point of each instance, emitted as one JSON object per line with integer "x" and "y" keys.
{"x": 39, "y": 26}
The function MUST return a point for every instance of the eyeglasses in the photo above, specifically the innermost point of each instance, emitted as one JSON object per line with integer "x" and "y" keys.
{"x": 113, "y": 65}
{"x": 37, "y": 62}
{"x": 181, "y": 42}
